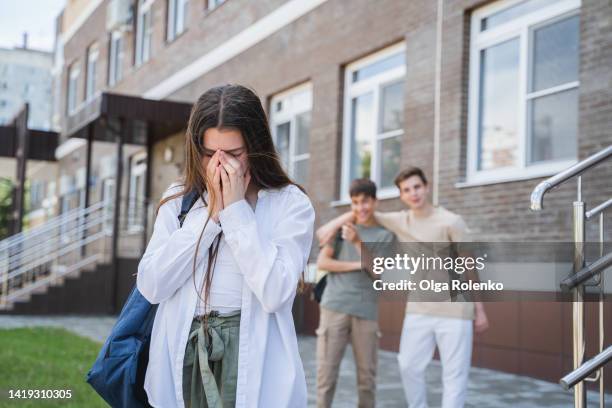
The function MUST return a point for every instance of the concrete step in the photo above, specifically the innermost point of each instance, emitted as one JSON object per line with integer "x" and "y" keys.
{"x": 42, "y": 291}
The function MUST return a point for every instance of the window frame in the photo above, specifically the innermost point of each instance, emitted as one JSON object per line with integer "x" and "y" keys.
{"x": 108, "y": 198}
{"x": 521, "y": 28}
{"x": 144, "y": 9}
{"x": 93, "y": 55}
{"x": 172, "y": 18}
{"x": 74, "y": 72}
{"x": 136, "y": 210}
{"x": 290, "y": 116}
{"x": 214, "y": 4}
{"x": 372, "y": 84}
{"x": 115, "y": 58}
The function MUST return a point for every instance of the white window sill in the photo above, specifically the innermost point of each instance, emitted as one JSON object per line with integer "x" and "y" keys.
{"x": 384, "y": 194}
{"x": 134, "y": 229}
{"x": 510, "y": 175}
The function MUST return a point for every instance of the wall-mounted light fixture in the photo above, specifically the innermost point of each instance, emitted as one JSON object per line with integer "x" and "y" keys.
{"x": 168, "y": 154}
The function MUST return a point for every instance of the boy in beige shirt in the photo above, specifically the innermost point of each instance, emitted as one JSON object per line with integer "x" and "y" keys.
{"x": 428, "y": 324}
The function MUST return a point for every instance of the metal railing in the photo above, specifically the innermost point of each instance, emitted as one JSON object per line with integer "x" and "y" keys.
{"x": 40, "y": 256}
{"x": 577, "y": 281}
{"x": 586, "y": 369}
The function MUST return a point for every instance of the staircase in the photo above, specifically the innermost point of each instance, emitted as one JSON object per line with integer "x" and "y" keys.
{"x": 64, "y": 258}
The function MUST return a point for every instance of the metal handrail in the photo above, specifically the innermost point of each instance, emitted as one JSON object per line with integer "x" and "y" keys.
{"x": 586, "y": 369}
{"x": 49, "y": 257}
{"x": 56, "y": 237}
{"x": 46, "y": 232}
{"x": 578, "y": 291}
{"x": 51, "y": 223}
{"x": 67, "y": 217}
{"x": 587, "y": 272}
{"x": 34, "y": 252}
{"x": 37, "y": 257}
{"x": 599, "y": 209}
{"x": 537, "y": 196}
{"x": 80, "y": 224}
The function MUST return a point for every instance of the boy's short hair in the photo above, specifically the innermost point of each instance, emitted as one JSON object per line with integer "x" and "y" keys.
{"x": 362, "y": 186}
{"x": 409, "y": 172}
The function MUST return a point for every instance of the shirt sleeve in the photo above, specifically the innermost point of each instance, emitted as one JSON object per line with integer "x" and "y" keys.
{"x": 390, "y": 220}
{"x": 168, "y": 260}
{"x": 272, "y": 265}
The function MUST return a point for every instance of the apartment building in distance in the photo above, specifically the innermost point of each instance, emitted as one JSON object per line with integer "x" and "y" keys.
{"x": 488, "y": 97}
{"x": 25, "y": 77}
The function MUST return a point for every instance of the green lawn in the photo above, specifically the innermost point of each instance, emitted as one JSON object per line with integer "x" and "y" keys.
{"x": 45, "y": 358}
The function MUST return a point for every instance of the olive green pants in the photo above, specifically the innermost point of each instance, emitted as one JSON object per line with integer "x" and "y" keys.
{"x": 210, "y": 367}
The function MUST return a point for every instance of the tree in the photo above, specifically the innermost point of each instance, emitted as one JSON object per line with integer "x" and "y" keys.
{"x": 6, "y": 199}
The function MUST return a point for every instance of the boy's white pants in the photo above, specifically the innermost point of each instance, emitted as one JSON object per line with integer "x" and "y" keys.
{"x": 420, "y": 335}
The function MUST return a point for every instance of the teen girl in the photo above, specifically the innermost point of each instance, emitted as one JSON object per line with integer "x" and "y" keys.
{"x": 225, "y": 281}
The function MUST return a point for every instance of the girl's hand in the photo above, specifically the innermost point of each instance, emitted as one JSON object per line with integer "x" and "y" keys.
{"x": 234, "y": 179}
{"x": 213, "y": 173}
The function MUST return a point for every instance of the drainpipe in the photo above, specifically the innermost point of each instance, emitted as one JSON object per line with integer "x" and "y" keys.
{"x": 22, "y": 137}
{"x": 117, "y": 213}
{"x": 147, "y": 187}
{"x": 438, "y": 71}
{"x": 90, "y": 130}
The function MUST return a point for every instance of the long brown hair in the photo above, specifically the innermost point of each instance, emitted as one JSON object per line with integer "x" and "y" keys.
{"x": 227, "y": 107}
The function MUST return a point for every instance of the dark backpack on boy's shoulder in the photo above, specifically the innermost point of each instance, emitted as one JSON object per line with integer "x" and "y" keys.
{"x": 319, "y": 288}
{"x": 118, "y": 373}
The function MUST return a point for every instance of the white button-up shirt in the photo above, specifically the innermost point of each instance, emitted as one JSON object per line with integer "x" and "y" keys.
{"x": 271, "y": 246}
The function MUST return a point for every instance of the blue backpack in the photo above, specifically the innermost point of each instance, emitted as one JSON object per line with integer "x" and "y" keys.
{"x": 118, "y": 373}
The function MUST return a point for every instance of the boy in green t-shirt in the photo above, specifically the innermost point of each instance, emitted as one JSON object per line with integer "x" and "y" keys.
{"x": 349, "y": 305}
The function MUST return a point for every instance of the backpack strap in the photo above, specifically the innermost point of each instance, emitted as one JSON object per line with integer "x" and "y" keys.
{"x": 187, "y": 202}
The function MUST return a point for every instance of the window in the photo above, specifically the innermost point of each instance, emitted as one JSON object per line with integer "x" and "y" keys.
{"x": 71, "y": 94}
{"x": 144, "y": 31}
{"x": 290, "y": 120}
{"x": 177, "y": 17}
{"x": 108, "y": 198}
{"x": 115, "y": 58}
{"x": 136, "y": 208}
{"x": 374, "y": 118}
{"x": 523, "y": 109}
{"x": 212, "y": 4}
{"x": 37, "y": 194}
{"x": 92, "y": 62}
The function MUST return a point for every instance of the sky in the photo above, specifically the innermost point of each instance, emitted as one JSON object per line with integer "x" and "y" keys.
{"x": 36, "y": 17}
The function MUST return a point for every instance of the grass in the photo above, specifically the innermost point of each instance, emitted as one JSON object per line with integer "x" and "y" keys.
{"x": 45, "y": 358}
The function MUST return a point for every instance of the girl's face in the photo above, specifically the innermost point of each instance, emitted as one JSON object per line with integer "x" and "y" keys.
{"x": 228, "y": 140}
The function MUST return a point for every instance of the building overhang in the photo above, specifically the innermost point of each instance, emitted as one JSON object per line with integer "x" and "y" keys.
{"x": 132, "y": 119}
{"x": 41, "y": 144}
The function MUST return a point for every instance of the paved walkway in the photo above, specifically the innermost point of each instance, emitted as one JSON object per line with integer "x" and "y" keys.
{"x": 487, "y": 388}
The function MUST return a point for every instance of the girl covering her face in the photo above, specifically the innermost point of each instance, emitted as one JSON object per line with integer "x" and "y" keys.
{"x": 225, "y": 281}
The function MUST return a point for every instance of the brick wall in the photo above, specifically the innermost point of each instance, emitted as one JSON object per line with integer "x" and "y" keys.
{"x": 319, "y": 44}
